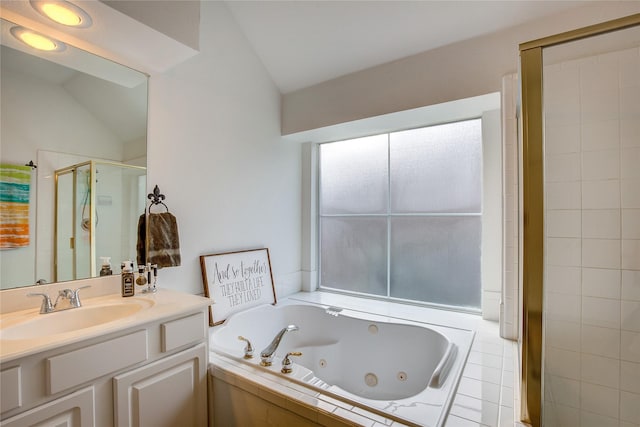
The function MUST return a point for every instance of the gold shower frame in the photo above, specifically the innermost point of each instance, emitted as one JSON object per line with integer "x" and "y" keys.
{"x": 533, "y": 207}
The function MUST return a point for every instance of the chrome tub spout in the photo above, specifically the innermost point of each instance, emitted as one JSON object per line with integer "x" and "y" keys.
{"x": 266, "y": 355}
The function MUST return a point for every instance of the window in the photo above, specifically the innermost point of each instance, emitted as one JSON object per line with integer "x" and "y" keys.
{"x": 400, "y": 214}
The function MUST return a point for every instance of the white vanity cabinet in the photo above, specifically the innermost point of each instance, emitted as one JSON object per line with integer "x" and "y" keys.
{"x": 153, "y": 374}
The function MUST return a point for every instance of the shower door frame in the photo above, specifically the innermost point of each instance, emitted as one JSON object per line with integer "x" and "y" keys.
{"x": 531, "y": 74}
{"x": 92, "y": 207}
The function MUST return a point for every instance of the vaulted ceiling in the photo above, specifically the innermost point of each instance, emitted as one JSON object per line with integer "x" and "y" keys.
{"x": 302, "y": 43}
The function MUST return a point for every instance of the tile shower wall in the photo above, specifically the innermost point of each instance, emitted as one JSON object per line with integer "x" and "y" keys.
{"x": 592, "y": 241}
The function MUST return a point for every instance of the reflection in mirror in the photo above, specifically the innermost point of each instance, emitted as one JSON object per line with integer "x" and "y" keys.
{"x": 82, "y": 120}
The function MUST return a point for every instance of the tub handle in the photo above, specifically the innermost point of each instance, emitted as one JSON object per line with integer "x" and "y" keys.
{"x": 286, "y": 362}
{"x": 248, "y": 349}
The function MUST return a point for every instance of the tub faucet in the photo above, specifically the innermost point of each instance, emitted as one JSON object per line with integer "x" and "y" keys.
{"x": 266, "y": 355}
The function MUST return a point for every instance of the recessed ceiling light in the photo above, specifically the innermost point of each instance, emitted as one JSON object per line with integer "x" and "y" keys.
{"x": 63, "y": 12}
{"x": 37, "y": 40}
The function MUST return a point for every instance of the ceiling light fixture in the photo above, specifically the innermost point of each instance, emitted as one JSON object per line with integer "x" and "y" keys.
{"x": 37, "y": 40}
{"x": 63, "y": 12}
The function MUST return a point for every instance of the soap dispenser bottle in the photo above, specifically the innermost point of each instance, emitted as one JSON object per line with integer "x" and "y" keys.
{"x": 127, "y": 279}
{"x": 106, "y": 266}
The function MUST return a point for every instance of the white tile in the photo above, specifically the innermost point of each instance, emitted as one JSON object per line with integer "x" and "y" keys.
{"x": 476, "y": 410}
{"x": 562, "y": 391}
{"x": 602, "y": 164}
{"x": 600, "y": 341}
{"x": 487, "y": 347}
{"x": 600, "y": 370}
{"x": 631, "y": 285}
{"x": 563, "y": 195}
{"x": 562, "y": 138}
{"x": 491, "y": 305}
{"x": 630, "y": 193}
{"x": 563, "y": 307}
{"x": 602, "y": 312}
{"x": 630, "y": 160}
{"x": 599, "y": 90}
{"x": 601, "y": 194}
{"x": 600, "y": 135}
{"x": 506, "y": 416}
{"x": 630, "y": 407}
{"x": 453, "y": 421}
{"x": 601, "y": 224}
{"x": 629, "y": 63}
{"x": 562, "y": 167}
{"x": 563, "y": 251}
{"x": 630, "y": 103}
{"x": 601, "y": 282}
{"x": 560, "y": 415}
{"x": 506, "y": 396}
{"x": 561, "y": 334}
{"x": 631, "y": 316}
{"x": 630, "y": 346}
{"x": 479, "y": 389}
{"x": 589, "y": 419}
{"x": 631, "y": 254}
{"x": 600, "y": 400}
{"x": 631, "y": 223}
{"x": 630, "y": 376}
{"x": 482, "y": 373}
{"x": 601, "y": 253}
{"x": 629, "y": 133}
{"x": 562, "y": 362}
{"x": 565, "y": 223}
{"x": 484, "y": 359}
{"x": 563, "y": 280}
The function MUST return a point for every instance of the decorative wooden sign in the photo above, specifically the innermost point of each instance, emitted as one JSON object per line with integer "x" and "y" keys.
{"x": 235, "y": 281}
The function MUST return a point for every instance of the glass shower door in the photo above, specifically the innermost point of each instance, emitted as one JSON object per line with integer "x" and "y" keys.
{"x": 591, "y": 365}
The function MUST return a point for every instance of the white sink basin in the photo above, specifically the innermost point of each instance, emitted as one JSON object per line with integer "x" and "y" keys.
{"x": 44, "y": 325}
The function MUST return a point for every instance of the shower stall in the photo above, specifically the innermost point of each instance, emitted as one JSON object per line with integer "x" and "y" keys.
{"x": 580, "y": 348}
{"x": 97, "y": 204}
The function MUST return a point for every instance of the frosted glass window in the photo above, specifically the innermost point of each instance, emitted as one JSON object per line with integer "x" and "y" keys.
{"x": 354, "y": 177}
{"x": 400, "y": 214}
{"x": 437, "y": 169}
{"x": 354, "y": 254}
{"x": 436, "y": 259}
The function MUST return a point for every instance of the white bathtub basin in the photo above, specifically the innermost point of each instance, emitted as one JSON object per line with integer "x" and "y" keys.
{"x": 45, "y": 325}
{"x": 404, "y": 370}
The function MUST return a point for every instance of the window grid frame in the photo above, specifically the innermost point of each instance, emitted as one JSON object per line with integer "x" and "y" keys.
{"x": 389, "y": 215}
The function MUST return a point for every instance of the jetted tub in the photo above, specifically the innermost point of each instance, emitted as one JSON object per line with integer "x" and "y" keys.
{"x": 399, "y": 369}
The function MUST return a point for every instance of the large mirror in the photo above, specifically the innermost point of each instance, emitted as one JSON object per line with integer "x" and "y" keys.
{"x": 82, "y": 120}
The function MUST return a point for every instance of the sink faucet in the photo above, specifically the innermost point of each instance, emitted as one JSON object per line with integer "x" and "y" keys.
{"x": 266, "y": 355}
{"x": 70, "y": 295}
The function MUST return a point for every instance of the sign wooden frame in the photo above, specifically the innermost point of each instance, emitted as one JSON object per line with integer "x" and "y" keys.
{"x": 235, "y": 281}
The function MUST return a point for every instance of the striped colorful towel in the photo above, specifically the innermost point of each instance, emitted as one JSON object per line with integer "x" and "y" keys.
{"x": 15, "y": 181}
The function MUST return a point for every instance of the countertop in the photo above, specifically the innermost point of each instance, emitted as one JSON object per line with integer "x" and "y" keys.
{"x": 162, "y": 304}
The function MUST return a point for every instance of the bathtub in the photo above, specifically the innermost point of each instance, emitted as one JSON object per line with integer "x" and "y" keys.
{"x": 401, "y": 370}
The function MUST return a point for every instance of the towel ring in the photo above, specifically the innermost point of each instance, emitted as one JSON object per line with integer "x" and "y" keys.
{"x": 156, "y": 199}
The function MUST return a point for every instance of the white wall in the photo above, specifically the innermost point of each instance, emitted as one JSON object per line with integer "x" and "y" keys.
{"x": 216, "y": 152}
{"x": 491, "y": 215}
{"x": 461, "y": 70}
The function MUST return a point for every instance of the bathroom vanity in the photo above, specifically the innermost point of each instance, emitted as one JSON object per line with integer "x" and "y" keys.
{"x": 143, "y": 364}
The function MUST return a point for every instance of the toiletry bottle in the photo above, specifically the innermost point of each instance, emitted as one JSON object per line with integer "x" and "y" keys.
{"x": 106, "y": 266}
{"x": 127, "y": 279}
{"x": 141, "y": 280}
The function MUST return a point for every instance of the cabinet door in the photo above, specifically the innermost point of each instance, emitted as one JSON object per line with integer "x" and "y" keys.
{"x": 167, "y": 393}
{"x": 74, "y": 410}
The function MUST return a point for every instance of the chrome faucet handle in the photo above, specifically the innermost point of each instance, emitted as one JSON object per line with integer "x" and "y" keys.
{"x": 75, "y": 296}
{"x": 286, "y": 362}
{"x": 248, "y": 349}
{"x": 47, "y": 306}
